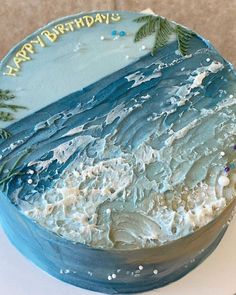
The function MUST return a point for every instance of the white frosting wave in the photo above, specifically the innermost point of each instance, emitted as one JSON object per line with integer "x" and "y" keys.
{"x": 148, "y": 195}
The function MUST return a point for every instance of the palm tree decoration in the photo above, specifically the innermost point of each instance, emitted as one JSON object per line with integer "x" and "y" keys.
{"x": 6, "y": 110}
{"x": 163, "y": 29}
{"x": 7, "y": 174}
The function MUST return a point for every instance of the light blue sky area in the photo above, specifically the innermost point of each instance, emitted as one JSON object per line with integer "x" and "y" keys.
{"x": 61, "y": 68}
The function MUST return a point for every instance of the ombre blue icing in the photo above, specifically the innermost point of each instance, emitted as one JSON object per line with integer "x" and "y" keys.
{"x": 128, "y": 169}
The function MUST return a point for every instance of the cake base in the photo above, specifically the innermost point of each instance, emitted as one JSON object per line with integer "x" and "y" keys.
{"x": 136, "y": 287}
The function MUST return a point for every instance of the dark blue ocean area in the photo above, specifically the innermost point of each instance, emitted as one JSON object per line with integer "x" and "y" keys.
{"x": 43, "y": 131}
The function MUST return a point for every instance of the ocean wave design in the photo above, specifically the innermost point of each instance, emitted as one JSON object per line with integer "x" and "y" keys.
{"x": 132, "y": 160}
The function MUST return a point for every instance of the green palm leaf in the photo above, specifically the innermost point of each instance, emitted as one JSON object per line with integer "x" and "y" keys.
{"x": 183, "y": 38}
{"x": 13, "y": 171}
{"x": 12, "y": 107}
{"x": 6, "y": 95}
{"x": 146, "y": 30}
{"x": 145, "y": 18}
{"x": 163, "y": 29}
{"x": 6, "y": 116}
{"x": 163, "y": 32}
{"x": 6, "y": 111}
{"x": 4, "y": 134}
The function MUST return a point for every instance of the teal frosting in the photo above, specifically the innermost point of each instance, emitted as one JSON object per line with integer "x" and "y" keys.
{"x": 129, "y": 156}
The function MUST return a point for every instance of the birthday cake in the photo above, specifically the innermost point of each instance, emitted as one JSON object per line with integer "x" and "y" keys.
{"x": 118, "y": 144}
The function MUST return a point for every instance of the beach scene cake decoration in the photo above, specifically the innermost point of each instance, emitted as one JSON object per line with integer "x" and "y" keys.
{"x": 119, "y": 172}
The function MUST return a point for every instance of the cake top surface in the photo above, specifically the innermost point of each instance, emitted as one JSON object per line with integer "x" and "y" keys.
{"x": 118, "y": 129}
{"x": 68, "y": 55}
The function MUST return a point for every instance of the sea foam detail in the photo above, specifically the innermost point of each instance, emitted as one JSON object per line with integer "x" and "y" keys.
{"x": 147, "y": 151}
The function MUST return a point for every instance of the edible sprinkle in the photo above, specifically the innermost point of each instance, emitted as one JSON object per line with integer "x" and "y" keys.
{"x": 223, "y": 180}
{"x": 109, "y": 278}
{"x": 140, "y": 267}
{"x": 108, "y": 211}
{"x": 155, "y": 271}
{"x": 102, "y": 38}
{"x": 227, "y": 169}
{"x": 113, "y": 275}
{"x": 122, "y": 33}
{"x": 30, "y": 181}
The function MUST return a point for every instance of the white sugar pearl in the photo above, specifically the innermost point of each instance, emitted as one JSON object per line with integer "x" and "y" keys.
{"x": 222, "y": 153}
{"x": 208, "y": 59}
{"x": 102, "y": 38}
{"x": 143, "y": 47}
{"x": 113, "y": 275}
{"x": 155, "y": 271}
{"x": 30, "y": 181}
{"x": 127, "y": 57}
{"x": 108, "y": 211}
{"x": 109, "y": 278}
{"x": 223, "y": 180}
{"x": 231, "y": 96}
{"x": 140, "y": 267}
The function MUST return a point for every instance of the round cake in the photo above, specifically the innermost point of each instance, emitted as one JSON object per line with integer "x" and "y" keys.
{"x": 118, "y": 149}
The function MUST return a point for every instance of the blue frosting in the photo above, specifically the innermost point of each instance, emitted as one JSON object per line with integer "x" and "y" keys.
{"x": 129, "y": 162}
{"x": 153, "y": 96}
{"x": 89, "y": 268}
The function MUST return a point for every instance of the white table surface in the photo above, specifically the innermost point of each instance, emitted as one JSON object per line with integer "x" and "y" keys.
{"x": 215, "y": 276}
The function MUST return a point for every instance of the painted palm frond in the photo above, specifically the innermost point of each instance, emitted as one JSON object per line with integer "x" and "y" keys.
{"x": 6, "y": 95}
{"x": 145, "y": 18}
{"x": 7, "y": 110}
{"x": 183, "y": 37}
{"x": 163, "y": 29}
{"x": 163, "y": 32}
{"x": 12, "y": 107}
{"x": 4, "y": 134}
{"x": 5, "y": 176}
{"x": 147, "y": 29}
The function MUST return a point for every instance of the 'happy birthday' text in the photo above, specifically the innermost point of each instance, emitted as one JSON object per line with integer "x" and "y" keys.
{"x": 51, "y": 35}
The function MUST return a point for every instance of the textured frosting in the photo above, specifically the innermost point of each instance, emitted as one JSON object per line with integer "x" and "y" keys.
{"x": 71, "y": 62}
{"x": 132, "y": 160}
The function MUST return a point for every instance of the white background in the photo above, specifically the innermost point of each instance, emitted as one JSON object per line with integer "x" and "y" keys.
{"x": 215, "y": 276}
